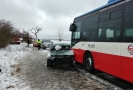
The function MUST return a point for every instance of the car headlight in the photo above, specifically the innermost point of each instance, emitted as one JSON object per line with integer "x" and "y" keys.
{"x": 52, "y": 58}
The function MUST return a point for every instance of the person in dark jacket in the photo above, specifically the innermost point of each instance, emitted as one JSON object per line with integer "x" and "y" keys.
{"x": 28, "y": 42}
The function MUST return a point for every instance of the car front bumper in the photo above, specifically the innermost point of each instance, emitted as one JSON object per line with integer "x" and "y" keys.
{"x": 61, "y": 59}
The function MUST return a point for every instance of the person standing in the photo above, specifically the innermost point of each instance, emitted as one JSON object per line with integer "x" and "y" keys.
{"x": 38, "y": 43}
{"x": 28, "y": 42}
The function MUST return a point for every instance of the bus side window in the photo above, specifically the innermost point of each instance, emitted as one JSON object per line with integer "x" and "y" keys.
{"x": 85, "y": 36}
{"x": 128, "y": 25}
{"x": 102, "y": 35}
{"x": 109, "y": 31}
{"x": 128, "y": 37}
{"x": 90, "y": 28}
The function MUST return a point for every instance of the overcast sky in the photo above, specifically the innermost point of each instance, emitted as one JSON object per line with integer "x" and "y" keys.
{"x": 50, "y": 15}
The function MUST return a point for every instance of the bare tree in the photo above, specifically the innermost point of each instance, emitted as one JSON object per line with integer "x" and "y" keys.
{"x": 26, "y": 35}
{"x": 59, "y": 34}
{"x": 35, "y": 31}
{"x": 6, "y": 32}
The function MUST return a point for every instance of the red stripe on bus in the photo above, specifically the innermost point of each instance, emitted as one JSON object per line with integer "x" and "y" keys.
{"x": 115, "y": 65}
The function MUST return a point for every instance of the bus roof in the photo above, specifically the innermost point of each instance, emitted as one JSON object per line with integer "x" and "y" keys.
{"x": 110, "y": 2}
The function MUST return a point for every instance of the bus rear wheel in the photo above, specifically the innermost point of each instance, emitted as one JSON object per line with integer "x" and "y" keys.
{"x": 88, "y": 62}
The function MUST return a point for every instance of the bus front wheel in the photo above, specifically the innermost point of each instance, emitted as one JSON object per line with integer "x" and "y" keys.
{"x": 88, "y": 62}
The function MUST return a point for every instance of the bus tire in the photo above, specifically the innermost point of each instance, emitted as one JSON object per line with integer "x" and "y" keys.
{"x": 89, "y": 62}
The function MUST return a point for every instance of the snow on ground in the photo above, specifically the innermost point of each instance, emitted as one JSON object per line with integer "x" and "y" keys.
{"x": 9, "y": 57}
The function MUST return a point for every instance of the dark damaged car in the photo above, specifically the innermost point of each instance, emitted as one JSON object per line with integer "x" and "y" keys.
{"x": 60, "y": 53}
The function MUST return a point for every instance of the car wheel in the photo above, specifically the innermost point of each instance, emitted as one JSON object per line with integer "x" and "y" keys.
{"x": 49, "y": 63}
{"x": 88, "y": 62}
{"x": 73, "y": 63}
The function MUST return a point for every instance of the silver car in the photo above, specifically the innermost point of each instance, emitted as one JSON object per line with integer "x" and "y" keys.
{"x": 46, "y": 43}
{"x": 60, "y": 53}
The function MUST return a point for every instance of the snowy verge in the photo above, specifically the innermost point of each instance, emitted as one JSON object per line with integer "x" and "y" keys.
{"x": 9, "y": 58}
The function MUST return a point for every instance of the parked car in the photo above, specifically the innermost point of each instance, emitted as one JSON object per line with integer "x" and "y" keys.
{"x": 15, "y": 41}
{"x": 35, "y": 44}
{"x": 46, "y": 43}
{"x": 60, "y": 53}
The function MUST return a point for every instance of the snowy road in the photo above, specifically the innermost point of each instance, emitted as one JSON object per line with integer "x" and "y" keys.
{"x": 27, "y": 70}
{"x": 36, "y": 75}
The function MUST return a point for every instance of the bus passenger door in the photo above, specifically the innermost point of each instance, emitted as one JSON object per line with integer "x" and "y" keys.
{"x": 127, "y": 44}
{"x": 108, "y": 47}
{"x": 108, "y": 58}
{"x": 127, "y": 61}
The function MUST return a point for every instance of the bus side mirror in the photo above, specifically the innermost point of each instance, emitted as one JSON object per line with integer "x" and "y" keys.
{"x": 72, "y": 27}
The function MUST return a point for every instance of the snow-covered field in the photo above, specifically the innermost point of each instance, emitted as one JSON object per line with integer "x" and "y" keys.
{"x": 9, "y": 57}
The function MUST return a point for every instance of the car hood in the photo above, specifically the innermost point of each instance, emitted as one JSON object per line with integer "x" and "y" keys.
{"x": 61, "y": 52}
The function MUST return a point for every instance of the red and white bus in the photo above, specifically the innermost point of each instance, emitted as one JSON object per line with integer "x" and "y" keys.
{"x": 102, "y": 39}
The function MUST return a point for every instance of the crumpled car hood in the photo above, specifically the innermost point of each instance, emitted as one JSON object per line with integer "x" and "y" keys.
{"x": 62, "y": 52}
